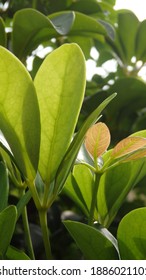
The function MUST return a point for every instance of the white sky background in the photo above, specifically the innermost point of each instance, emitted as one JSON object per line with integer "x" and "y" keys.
{"x": 139, "y": 8}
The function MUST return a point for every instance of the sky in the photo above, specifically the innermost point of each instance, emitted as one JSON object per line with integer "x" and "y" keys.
{"x": 137, "y": 6}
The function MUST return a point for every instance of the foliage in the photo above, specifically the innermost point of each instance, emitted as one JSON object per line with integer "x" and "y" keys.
{"x": 57, "y": 158}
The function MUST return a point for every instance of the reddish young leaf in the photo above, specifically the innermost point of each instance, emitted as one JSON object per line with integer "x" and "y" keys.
{"x": 136, "y": 155}
{"x": 97, "y": 139}
{"x": 128, "y": 146}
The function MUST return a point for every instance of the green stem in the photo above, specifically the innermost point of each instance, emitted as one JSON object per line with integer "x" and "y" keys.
{"x": 45, "y": 233}
{"x": 27, "y": 234}
{"x": 94, "y": 199}
{"x": 34, "y": 4}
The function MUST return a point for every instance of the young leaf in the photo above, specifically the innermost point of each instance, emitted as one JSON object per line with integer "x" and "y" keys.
{"x": 132, "y": 235}
{"x": 60, "y": 85}
{"x": 127, "y": 146}
{"x": 97, "y": 139}
{"x": 73, "y": 150}
{"x": 19, "y": 113}
{"x": 92, "y": 242}
{"x": 7, "y": 225}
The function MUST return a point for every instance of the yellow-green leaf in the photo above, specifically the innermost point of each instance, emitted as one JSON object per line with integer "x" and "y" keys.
{"x": 19, "y": 113}
{"x": 97, "y": 139}
{"x": 127, "y": 146}
{"x": 60, "y": 85}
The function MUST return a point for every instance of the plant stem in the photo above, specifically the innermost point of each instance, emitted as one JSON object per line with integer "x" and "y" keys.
{"x": 94, "y": 199}
{"x": 45, "y": 233}
{"x": 27, "y": 234}
{"x": 34, "y": 4}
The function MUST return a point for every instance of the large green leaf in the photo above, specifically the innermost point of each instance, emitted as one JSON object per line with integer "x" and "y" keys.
{"x": 19, "y": 113}
{"x": 132, "y": 235}
{"x": 114, "y": 185}
{"x": 74, "y": 148}
{"x": 31, "y": 28}
{"x": 127, "y": 24}
{"x": 7, "y": 225}
{"x": 4, "y": 186}
{"x": 2, "y": 33}
{"x": 141, "y": 42}
{"x": 60, "y": 85}
{"x": 93, "y": 243}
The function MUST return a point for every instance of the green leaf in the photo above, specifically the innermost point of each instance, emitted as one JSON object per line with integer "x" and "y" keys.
{"x": 23, "y": 201}
{"x": 92, "y": 242}
{"x": 15, "y": 254}
{"x": 31, "y": 28}
{"x": 73, "y": 150}
{"x": 86, "y": 6}
{"x": 4, "y": 186}
{"x": 114, "y": 186}
{"x": 132, "y": 235}
{"x": 60, "y": 98}
{"x": 79, "y": 187}
{"x": 19, "y": 113}
{"x": 2, "y": 33}
{"x": 63, "y": 22}
{"x": 128, "y": 24}
{"x": 122, "y": 108}
{"x": 141, "y": 42}
{"x": 7, "y": 225}
{"x": 86, "y": 26}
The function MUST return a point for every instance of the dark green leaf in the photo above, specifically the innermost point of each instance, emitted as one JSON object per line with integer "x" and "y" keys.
{"x": 7, "y": 225}
{"x": 2, "y": 33}
{"x": 4, "y": 186}
{"x": 141, "y": 42}
{"x": 31, "y": 28}
{"x": 132, "y": 235}
{"x": 15, "y": 254}
{"x": 92, "y": 242}
{"x": 127, "y": 28}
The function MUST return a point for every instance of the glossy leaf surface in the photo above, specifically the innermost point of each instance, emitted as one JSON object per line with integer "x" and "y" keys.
{"x": 31, "y": 28}
{"x": 19, "y": 113}
{"x": 60, "y": 85}
{"x": 132, "y": 235}
{"x": 92, "y": 242}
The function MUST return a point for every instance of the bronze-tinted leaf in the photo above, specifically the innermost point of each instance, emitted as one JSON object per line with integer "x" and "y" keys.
{"x": 97, "y": 139}
{"x": 128, "y": 146}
